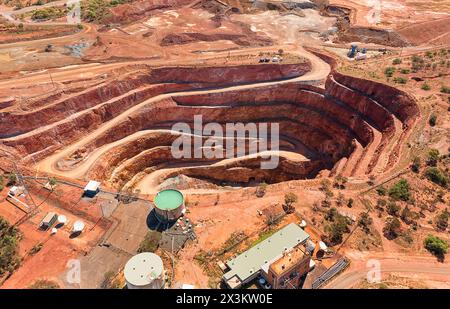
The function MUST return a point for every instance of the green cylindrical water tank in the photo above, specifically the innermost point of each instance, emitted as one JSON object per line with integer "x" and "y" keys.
{"x": 169, "y": 205}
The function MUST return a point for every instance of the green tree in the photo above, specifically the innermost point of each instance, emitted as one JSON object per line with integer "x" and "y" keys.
{"x": 436, "y": 245}
{"x": 400, "y": 190}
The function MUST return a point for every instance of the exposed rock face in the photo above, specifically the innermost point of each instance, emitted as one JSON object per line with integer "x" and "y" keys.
{"x": 119, "y": 95}
{"x": 326, "y": 126}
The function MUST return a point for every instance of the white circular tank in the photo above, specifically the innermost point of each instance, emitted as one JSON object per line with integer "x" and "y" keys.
{"x": 144, "y": 271}
{"x": 78, "y": 226}
{"x": 62, "y": 219}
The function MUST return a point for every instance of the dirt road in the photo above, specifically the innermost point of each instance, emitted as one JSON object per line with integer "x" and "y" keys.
{"x": 425, "y": 268}
{"x": 319, "y": 71}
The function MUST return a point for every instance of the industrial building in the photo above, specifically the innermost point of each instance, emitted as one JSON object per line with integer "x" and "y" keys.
{"x": 144, "y": 271}
{"x": 270, "y": 259}
{"x": 169, "y": 205}
{"x": 48, "y": 220}
{"x": 92, "y": 188}
{"x": 287, "y": 271}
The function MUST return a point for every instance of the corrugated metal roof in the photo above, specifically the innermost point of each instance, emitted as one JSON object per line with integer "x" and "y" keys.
{"x": 92, "y": 185}
{"x": 252, "y": 260}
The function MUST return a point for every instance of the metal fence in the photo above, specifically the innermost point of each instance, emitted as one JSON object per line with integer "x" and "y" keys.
{"x": 330, "y": 273}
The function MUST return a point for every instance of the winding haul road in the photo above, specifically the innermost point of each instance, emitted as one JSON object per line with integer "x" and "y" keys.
{"x": 319, "y": 71}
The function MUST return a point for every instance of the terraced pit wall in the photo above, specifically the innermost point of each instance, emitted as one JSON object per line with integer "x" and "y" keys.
{"x": 333, "y": 128}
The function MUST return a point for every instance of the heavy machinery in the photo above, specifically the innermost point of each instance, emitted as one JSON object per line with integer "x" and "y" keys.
{"x": 352, "y": 52}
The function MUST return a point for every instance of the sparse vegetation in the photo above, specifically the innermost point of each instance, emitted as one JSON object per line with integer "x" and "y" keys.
{"x": 400, "y": 190}
{"x": 289, "y": 200}
{"x": 393, "y": 209}
{"x": 381, "y": 190}
{"x": 389, "y": 71}
{"x": 150, "y": 242}
{"x": 339, "y": 225}
{"x": 416, "y": 164}
{"x": 426, "y": 87}
{"x": 432, "y": 120}
{"x": 433, "y": 157}
{"x": 392, "y": 228}
{"x": 400, "y": 80}
{"x": 442, "y": 220}
{"x": 48, "y": 13}
{"x": 445, "y": 89}
{"x": 9, "y": 242}
{"x": 44, "y": 284}
{"x": 437, "y": 176}
{"x": 261, "y": 189}
{"x": 365, "y": 222}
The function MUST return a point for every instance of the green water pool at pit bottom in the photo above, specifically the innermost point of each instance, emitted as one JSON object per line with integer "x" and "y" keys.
{"x": 168, "y": 199}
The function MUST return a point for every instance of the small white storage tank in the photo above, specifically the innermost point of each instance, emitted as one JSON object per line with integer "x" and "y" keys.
{"x": 62, "y": 220}
{"x": 144, "y": 271}
{"x": 78, "y": 226}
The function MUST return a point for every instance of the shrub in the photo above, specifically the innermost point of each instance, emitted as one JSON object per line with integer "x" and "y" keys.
{"x": 392, "y": 228}
{"x": 261, "y": 189}
{"x": 339, "y": 225}
{"x": 393, "y": 209}
{"x": 407, "y": 215}
{"x": 289, "y": 200}
{"x": 426, "y": 87}
{"x": 436, "y": 245}
{"x": 432, "y": 120}
{"x": 150, "y": 242}
{"x": 405, "y": 71}
{"x": 442, "y": 220}
{"x": 350, "y": 203}
{"x": 44, "y": 284}
{"x": 433, "y": 157}
{"x": 437, "y": 176}
{"x": 445, "y": 89}
{"x": 12, "y": 179}
{"x": 389, "y": 71}
{"x": 365, "y": 221}
{"x": 381, "y": 190}
{"x": 400, "y": 191}
{"x": 9, "y": 242}
{"x": 400, "y": 80}
{"x": 415, "y": 166}
{"x": 397, "y": 61}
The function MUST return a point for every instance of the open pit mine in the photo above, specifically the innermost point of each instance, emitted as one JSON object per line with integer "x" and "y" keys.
{"x": 119, "y": 131}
